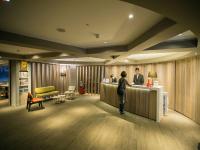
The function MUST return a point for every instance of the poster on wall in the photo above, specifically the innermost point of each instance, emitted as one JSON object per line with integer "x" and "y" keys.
{"x": 23, "y": 66}
{"x": 4, "y": 73}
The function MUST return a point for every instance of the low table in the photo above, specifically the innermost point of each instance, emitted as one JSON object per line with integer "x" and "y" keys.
{"x": 69, "y": 94}
{"x": 62, "y": 98}
{"x": 59, "y": 99}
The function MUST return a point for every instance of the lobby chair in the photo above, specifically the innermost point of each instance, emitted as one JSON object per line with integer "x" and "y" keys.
{"x": 70, "y": 94}
{"x": 31, "y": 100}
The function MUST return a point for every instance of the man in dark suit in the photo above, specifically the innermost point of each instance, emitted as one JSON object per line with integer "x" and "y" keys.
{"x": 138, "y": 78}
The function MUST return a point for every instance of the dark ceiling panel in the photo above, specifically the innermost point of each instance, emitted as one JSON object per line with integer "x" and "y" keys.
{"x": 191, "y": 43}
{"x": 20, "y": 40}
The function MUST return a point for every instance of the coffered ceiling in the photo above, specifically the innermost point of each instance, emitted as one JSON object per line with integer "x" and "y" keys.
{"x": 73, "y": 30}
{"x": 81, "y": 21}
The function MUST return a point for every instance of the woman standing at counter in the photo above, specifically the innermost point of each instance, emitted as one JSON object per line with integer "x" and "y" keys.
{"x": 121, "y": 91}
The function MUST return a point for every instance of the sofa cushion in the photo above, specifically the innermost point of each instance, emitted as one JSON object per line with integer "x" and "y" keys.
{"x": 37, "y": 99}
{"x": 47, "y": 94}
{"x": 44, "y": 89}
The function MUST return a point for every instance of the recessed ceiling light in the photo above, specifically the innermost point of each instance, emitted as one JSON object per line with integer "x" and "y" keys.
{"x": 105, "y": 42}
{"x": 6, "y": 0}
{"x": 87, "y": 24}
{"x": 64, "y": 54}
{"x": 130, "y": 16}
{"x": 35, "y": 57}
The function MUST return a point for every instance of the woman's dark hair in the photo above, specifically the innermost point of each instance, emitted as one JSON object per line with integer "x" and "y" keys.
{"x": 123, "y": 74}
{"x": 137, "y": 69}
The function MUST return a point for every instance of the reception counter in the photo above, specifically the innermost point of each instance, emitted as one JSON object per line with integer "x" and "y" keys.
{"x": 140, "y": 100}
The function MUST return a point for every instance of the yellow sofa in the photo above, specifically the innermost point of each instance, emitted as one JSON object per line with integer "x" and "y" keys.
{"x": 46, "y": 91}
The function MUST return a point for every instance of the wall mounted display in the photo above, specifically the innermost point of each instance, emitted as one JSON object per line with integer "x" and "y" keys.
{"x": 23, "y": 66}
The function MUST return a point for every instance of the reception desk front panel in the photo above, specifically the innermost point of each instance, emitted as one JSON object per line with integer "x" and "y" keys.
{"x": 139, "y": 100}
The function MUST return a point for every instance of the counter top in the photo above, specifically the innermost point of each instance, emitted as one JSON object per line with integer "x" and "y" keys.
{"x": 139, "y": 86}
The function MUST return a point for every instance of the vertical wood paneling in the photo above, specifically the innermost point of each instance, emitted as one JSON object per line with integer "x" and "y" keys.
{"x": 54, "y": 75}
{"x": 93, "y": 75}
{"x": 99, "y": 79}
{"x": 84, "y": 81}
{"x": 86, "y": 73}
{"x": 92, "y": 79}
{"x": 95, "y": 79}
{"x": 197, "y": 102}
{"x": 33, "y": 77}
{"x": 78, "y": 76}
{"x": 165, "y": 71}
{"x": 58, "y": 83}
{"x": 47, "y": 74}
{"x": 50, "y": 74}
{"x": 39, "y": 78}
{"x": 187, "y": 83}
{"x": 44, "y": 74}
{"x": 89, "y": 80}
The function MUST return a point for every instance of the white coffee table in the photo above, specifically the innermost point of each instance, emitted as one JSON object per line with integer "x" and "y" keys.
{"x": 62, "y": 98}
{"x": 59, "y": 98}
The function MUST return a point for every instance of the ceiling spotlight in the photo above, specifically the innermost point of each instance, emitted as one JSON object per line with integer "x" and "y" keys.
{"x": 61, "y": 30}
{"x": 130, "y": 16}
{"x": 6, "y": 0}
{"x": 105, "y": 42}
{"x": 114, "y": 56}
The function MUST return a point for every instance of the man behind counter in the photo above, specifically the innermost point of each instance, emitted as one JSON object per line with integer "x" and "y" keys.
{"x": 138, "y": 78}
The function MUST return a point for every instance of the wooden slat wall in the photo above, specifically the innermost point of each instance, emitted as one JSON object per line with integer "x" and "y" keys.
{"x": 44, "y": 74}
{"x": 91, "y": 76}
{"x": 187, "y": 88}
{"x": 197, "y": 104}
{"x": 165, "y": 71}
{"x": 138, "y": 101}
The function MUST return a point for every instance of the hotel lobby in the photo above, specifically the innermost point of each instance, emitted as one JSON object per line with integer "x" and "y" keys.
{"x": 99, "y": 75}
